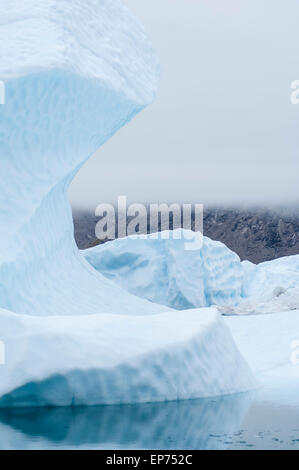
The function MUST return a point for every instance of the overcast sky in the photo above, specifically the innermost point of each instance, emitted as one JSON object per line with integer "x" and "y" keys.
{"x": 223, "y": 129}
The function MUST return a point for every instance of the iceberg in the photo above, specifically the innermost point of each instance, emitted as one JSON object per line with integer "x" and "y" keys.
{"x": 74, "y": 73}
{"x": 118, "y": 359}
{"x": 270, "y": 345}
{"x": 269, "y": 287}
{"x": 161, "y": 270}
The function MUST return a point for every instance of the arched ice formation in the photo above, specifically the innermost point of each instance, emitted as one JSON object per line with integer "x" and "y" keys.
{"x": 74, "y": 73}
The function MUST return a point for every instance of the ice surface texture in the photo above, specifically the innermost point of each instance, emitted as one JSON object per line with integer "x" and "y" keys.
{"x": 270, "y": 344}
{"x": 160, "y": 269}
{"x": 211, "y": 275}
{"x": 99, "y": 40}
{"x": 75, "y": 72}
{"x": 113, "y": 359}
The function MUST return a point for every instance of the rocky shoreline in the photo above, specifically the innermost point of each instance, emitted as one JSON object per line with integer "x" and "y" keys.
{"x": 256, "y": 235}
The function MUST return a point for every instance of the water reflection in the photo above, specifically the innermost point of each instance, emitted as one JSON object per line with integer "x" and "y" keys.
{"x": 173, "y": 425}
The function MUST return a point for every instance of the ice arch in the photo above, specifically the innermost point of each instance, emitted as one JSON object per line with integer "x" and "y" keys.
{"x": 75, "y": 72}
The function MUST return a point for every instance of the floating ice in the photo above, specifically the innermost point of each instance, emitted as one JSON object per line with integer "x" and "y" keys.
{"x": 269, "y": 287}
{"x": 74, "y": 73}
{"x": 113, "y": 359}
{"x": 163, "y": 271}
{"x": 270, "y": 344}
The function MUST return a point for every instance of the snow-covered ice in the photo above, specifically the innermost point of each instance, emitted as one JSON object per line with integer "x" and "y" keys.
{"x": 99, "y": 40}
{"x": 270, "y": 344}
{"x": 74, "y": 74}
{"x": 269, "y": 287}
{"x": 266, "y": 340}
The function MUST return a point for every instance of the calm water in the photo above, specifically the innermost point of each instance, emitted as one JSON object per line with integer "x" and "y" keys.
{"x": 243, "y": 421}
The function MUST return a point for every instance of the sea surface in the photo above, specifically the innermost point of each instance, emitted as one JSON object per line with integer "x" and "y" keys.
{"x": 258, "y": 420}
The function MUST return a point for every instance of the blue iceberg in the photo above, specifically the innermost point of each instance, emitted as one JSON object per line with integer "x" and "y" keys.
{"x": 74, "y": 73}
